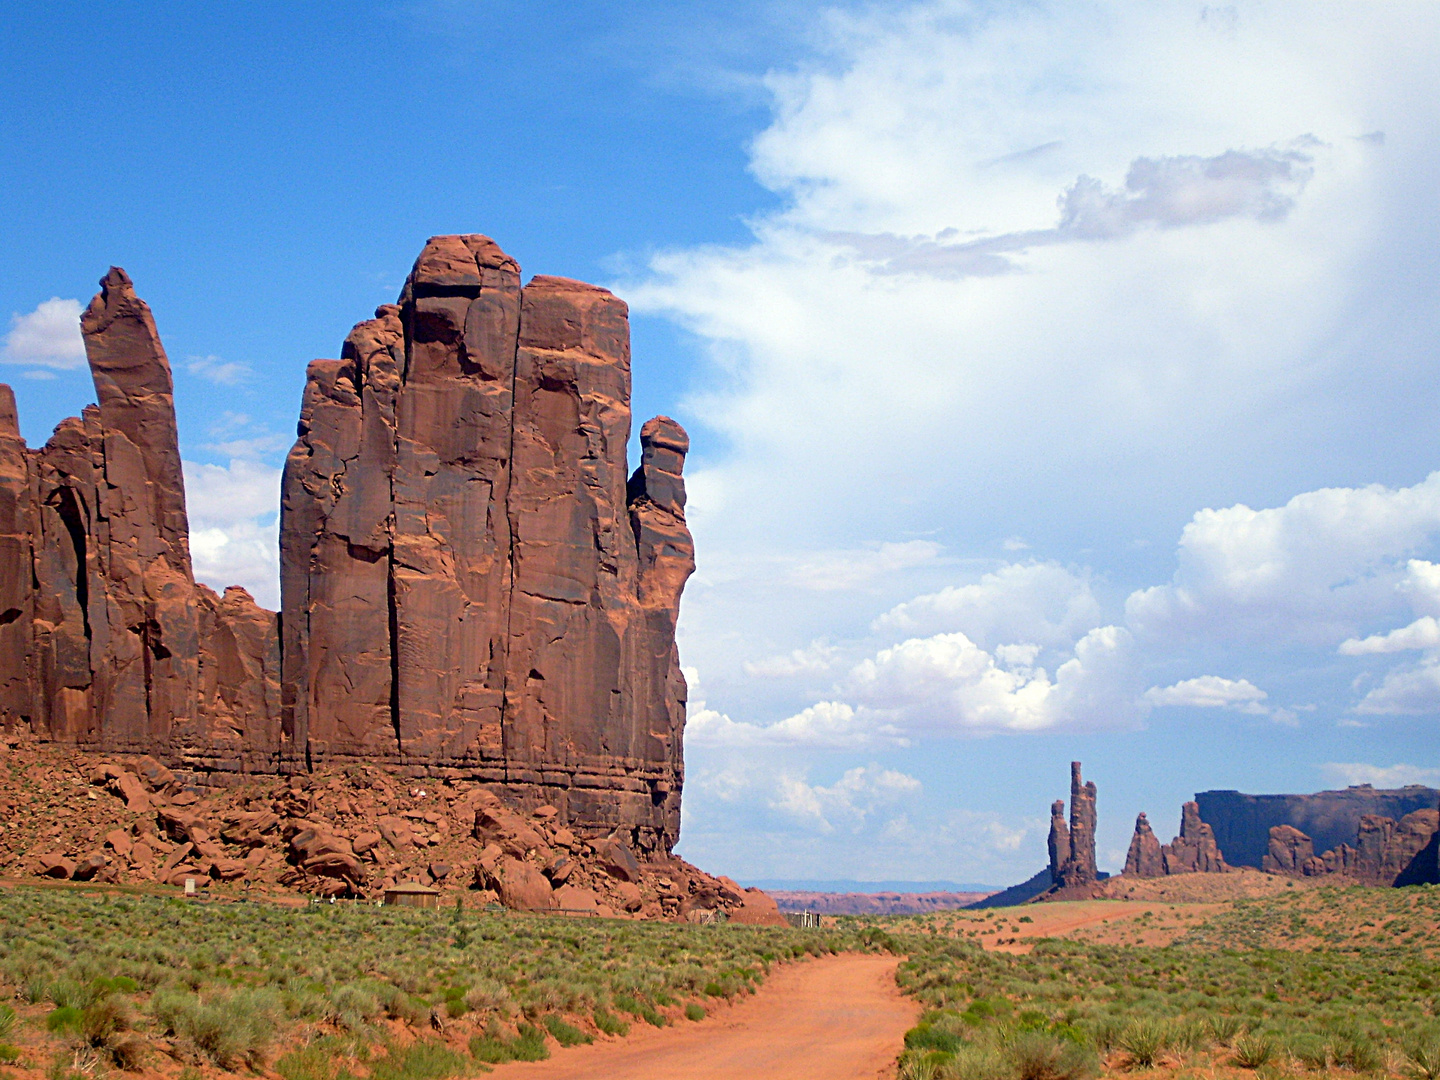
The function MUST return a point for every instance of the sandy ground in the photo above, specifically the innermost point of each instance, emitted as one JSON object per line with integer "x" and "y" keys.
{"x": 839, "y": 1018}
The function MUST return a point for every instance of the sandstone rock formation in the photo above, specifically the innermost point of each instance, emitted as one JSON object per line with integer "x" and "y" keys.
{"x": 472, "y": 585}
{"x": 1145, "y": 857}
{"x": 459, "y": 491}
{"x": 1072, "y": 849}
{"x": 105, "y": 638}
{"x": 1194, "y": 851}
{"x": 1242, "y": 823}
{"x": 1386, "y": 852}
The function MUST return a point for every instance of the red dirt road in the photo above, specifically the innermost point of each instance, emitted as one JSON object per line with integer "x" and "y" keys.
{"x": 839, "y": 1018}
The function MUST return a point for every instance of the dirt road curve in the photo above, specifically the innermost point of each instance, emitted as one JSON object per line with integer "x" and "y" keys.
{"x": 839, "y": 1018}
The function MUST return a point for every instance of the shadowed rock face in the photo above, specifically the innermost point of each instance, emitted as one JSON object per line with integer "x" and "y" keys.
{"x": 1242, "y": 823}
{"x": 1386, "y": 852}
{"x": 469, "y": 578}
{"x": 470, "y": 581}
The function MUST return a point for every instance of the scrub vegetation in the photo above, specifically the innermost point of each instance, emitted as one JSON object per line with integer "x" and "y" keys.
{"x": 1339, "y": 982}
{"x": 105, "y": 981}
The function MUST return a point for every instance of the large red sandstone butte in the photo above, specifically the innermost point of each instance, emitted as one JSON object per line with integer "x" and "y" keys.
{"x": 470, "y": 580}
{"x": 472, "y": 587}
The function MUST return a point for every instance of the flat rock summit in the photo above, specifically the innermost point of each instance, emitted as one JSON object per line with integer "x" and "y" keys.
{"x": 474, "y": 586}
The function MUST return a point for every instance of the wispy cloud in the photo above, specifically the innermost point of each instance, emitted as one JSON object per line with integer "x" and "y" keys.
{"x": 219, "y": 371}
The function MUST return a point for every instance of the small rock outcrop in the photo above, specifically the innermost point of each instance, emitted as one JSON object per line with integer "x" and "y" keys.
{"x": 1194, "y": 851}
{"x": 1291, "y": 852}
{"x": 1072, "y": 848}
{"x": 1145, "y": 857}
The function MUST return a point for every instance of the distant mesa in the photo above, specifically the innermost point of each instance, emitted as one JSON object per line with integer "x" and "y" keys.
{"x": 1377, "y": 849}
{"x": 473, "y": 584}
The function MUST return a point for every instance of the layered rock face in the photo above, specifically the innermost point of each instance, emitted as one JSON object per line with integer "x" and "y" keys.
{"x": 105, "y": 638}
{"x": 1072, "y": 849}
{"x": 1242, "y": 823}
{"x": 1386, "y": 852}
{"x": 469, "y": 578}
{"x": 472, "y": 585}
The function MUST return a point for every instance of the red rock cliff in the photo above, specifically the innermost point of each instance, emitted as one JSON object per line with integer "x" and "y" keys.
{"x": 471, "y": 584}
{"x": 469, "y": 580}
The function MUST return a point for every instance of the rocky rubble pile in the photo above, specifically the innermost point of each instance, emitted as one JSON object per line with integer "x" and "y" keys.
{"x": 350, "y": 831}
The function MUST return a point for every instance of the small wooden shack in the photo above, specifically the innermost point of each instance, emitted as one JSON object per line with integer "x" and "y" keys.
{"x": 412, "y": 894}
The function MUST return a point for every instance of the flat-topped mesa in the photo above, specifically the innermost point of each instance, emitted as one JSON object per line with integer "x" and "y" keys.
{"x": 105, "y": 638}
{"x": 469, "y": 579}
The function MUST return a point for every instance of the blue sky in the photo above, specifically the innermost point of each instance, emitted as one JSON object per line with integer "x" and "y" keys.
{"x": 1061, "y": 376}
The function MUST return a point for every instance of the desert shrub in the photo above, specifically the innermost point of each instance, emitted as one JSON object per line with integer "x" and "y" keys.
{"x": 64, "y": 1021}
{"x": 640, "y": 1009}
{"x": 1422, "y": 1055}
{"x": 1224, "y": 1027}
{"x": 9, "y": 1054}
{"x": 232, "y": 1027}
{"x": 1039, "y": 1055}
{"x": 695, "y": 1011}
{"x": 975, "y": 1063}
{"x": 424, "y": 1059}
{"x": 1144, "y": 1039}
{"x": 353, "y": 1005}
{"x": 490, "y": 1048}
{"x": 565, "y": 1034}
{"x": 7, "y": 1020}
{"x": 529, "y": 1044}
{"x": 609, "y": 1023}
{"x": 921, "y": 1066}
{"x": 1310, "y": 1050}
{"x": 1254, "y": 1050}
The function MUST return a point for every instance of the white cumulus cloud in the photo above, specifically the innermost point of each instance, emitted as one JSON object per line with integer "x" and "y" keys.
{"x": 1210, "y": 692}
{"x": 234, "y": 526}
{"x": 1038, "y": 603}
{"x": 48, "y": 337}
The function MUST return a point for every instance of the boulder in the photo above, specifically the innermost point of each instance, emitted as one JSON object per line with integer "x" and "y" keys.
{"x": 119, "y": 842}
{"x": 56, "y": 865}
{"x": 520, "y": 886}
{"x": 577, "y": 899}
{"x": 628, "y": 895}
{"x": 617, "y": 860}
{"x": 757, "y": 909}
{"x": 90, "y": 865}
{"x": 499, "y": 825}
